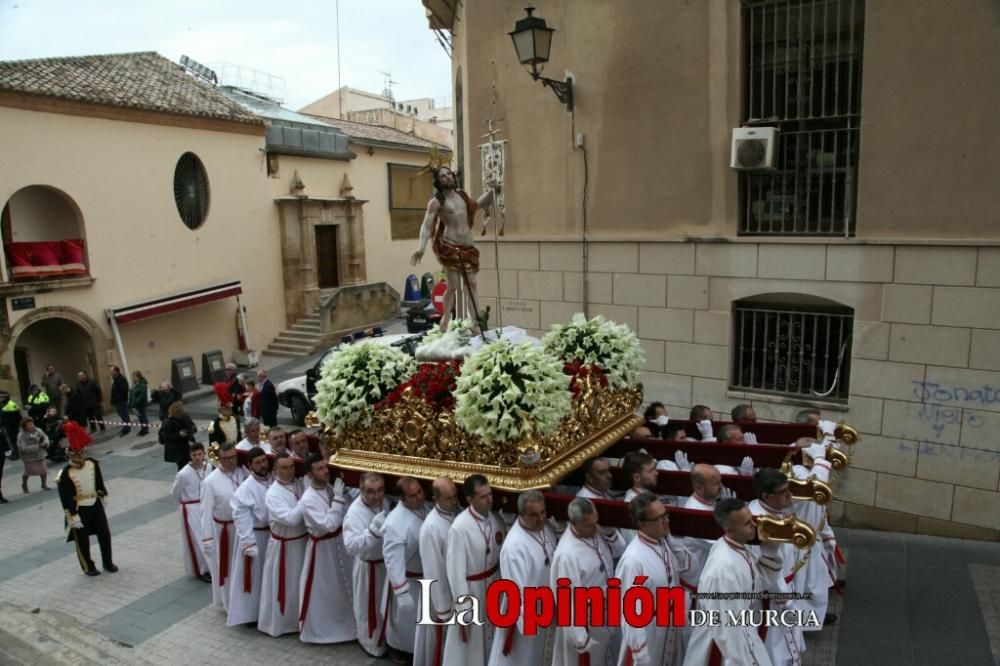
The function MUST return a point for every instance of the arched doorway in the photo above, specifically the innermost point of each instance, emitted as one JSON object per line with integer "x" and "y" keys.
{"x": 60, "y": 341}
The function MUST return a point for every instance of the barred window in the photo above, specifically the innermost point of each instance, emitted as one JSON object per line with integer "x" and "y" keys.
{"x": 795, "y": 349}
{"x": 409, "y": 192}
{"x": 803, "y": 76}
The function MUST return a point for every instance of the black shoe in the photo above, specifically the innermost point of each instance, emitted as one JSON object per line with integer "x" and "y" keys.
{"x": 123, "y": 433}
{"x": 250, "y": 625}
{"x": 142, "y": 433}
{"x": 92, "y": 572}
{"x": 841, "y": 582}
{"x": 111, "y": 568}
{"x": 829, "y": 618}
{"x": 207, "y": 577}
{"x": 3, "y": 500}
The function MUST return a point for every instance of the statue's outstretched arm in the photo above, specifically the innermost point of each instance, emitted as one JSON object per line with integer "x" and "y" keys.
{"x": 433, "y": 207}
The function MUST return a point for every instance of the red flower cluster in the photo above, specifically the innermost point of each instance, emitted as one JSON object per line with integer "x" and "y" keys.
{"x": 433, "y": 382}
{"x": 577, "y": 370}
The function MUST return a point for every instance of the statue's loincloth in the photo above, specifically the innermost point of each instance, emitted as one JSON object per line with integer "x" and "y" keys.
{"x": 451, "y": 256}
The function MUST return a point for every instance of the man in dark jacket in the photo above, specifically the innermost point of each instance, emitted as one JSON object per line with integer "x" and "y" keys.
{"x": 165, "y": 396}
{"x": 10, "y": 422}
{"x": 268, "y": 400}
{"x": 119, "y": 398}
{"x": 91, "y": 398}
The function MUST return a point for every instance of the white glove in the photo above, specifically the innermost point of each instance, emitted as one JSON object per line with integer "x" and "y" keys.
{"x": 251, "y": 551}
{"x": 769, "y": 549}
{"x": 377, "y": 522}
{"x": 590, "y": 647}
{"x": 338, "y": 488}
{"x": 749, "y": 438}
{"x": 682, "y": 461}
{"x": 746, "y": 466}
{"x": 641, "y": 657}
{"x": 208, "y": 547}
{"x": 828, "y": 427}
{"x": 816, "y": 451}
{"x": 76, "y": 524}
{"x": 105, "y": 501}
{"x": 404, "y": 599}
{"x": 662, "y": 420}
{"x": 830, "y": 547}
{"x": 705, "y": 428}
{"x": 727, "y": 493}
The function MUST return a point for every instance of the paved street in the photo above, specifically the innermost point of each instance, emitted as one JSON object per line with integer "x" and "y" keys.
{"x": 910, "y": 600}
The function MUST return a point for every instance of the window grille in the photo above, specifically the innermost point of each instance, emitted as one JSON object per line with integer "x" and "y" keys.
{"x": 792, "y": 351}
{"x": 191, "y": 191}
{"x": 409, "y": 192}
{"x": 803, "y": 76}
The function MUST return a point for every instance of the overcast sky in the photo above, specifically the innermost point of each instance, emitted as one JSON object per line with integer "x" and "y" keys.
{"x": 296, "y": 39}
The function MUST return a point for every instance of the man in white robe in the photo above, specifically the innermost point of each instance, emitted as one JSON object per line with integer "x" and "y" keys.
{"x": 733, "y": 568}
{"x": 662, "y": 563}
{"x": 474, "y": 542}
{"x": 585, "y": 559}
{"x": 526, "y": 559}
{"x": 706, "y": 482}
{"x": 401, "y": 551}
{"x": 363, "y": 525}
{"x": 785, "y": 645}
{"x": 597, "y": 473}
{"x": 252, "y": 531}
{"x": 819, "y": 572}
{"x": 186, "y": 491}
{"x": 218, "y": 540}
{"x": 286, "y": 551}
{"x": 434, "y": 558}
{"x": 251, "y": 439}
{"x": 640, "y": 467}
{"x": 326, "y": 614}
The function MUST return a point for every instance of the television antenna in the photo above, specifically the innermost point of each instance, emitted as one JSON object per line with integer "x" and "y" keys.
{"x": 389, "y": 83}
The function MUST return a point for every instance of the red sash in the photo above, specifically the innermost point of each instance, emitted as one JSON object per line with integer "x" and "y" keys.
{"x": 223, "y": 550}
{"x": 248, "y": 566}
{"x": 189, "y": 537}
{"x": 312, "y": 569}
{"x": 372, "y": 610}
{"x": 483, "y": 575}
{"x": 281, "y": 567}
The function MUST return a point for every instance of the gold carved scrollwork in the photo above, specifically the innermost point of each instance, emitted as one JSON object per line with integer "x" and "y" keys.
{"x": 846, "y": 434}
{"x": 787, "y": 530}
{"x": 413, "y": 438}
{"x": 810, "y": 490}
{"x": 838, "y": 459}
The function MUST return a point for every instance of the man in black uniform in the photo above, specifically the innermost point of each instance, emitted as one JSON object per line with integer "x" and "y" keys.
{"x": 83, "y": 495}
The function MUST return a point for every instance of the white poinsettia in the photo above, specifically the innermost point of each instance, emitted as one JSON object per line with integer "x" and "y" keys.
{"x": 612, "y": 346}
{"x": 355, "y": 378}
{"x": 507, "y": 389}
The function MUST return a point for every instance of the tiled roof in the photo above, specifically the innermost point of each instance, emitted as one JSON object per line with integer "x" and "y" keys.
{"x": 145, "y": 81}
{"x": 379, "y": 134}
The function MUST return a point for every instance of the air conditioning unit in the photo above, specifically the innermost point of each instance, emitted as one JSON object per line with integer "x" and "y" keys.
{"x": 753, "y": 148}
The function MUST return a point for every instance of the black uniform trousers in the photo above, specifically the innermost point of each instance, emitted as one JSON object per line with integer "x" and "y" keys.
{"x": 95, "y": 522}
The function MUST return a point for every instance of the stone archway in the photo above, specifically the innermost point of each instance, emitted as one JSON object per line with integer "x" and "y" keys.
{"x": 65, "y": 337}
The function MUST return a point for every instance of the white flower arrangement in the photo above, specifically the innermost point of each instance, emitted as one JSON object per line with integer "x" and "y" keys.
{"x": 612, "y": 346}
{"x": 507, "y": 390}
{"x": 355, "y": 378}
{"x": 453, "y": 345}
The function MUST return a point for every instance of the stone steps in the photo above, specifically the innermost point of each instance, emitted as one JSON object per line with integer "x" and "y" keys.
{"x": 303, "y": 338}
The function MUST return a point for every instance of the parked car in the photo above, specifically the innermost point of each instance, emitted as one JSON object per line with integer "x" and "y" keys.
{"x": 297, "y": 394}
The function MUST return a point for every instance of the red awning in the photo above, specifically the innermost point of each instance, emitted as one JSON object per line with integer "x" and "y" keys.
{"x": 125, "y": 314}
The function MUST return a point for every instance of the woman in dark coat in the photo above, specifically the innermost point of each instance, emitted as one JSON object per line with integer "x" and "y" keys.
{"x": 75, "y": 410}
{"x": 176, "y": 435}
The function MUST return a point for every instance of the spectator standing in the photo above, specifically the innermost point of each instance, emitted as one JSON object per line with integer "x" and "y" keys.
{"x": 268, "y": 399}
{"x": 91, "y": 398}
{"x": 73, "y": 400}
{"x": 37, "y": 402}
{"x": 138, "y": 399}
{"x": 176, "y": 435}
{"x": 250, "y": 400}
{"x": 52, "y": 425}
{"x": 52, "y": 382}
{"x": 119, "y": 398}
{"x": 165, "y": 396}
{"x": 10, "y": 421}
{"x": 33, "y": 445}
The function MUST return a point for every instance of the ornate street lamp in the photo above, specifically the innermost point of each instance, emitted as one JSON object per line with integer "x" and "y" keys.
{"x": 532, "y": 39}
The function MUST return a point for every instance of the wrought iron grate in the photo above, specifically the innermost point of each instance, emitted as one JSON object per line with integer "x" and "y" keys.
{"x": 803, "y": 76}
{"x": 792, "y": 352}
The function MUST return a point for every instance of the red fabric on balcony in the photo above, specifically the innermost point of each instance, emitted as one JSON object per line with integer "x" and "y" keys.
{"x": 44, "y": 259}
